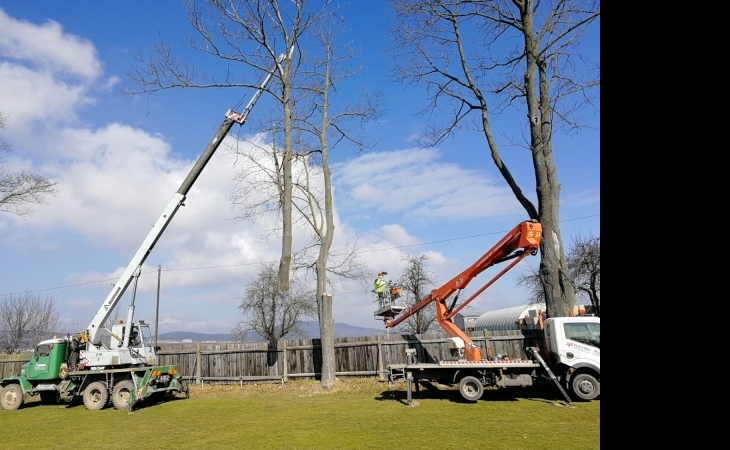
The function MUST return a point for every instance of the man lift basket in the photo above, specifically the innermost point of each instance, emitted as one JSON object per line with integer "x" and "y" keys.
{"x": 386, "y": 306}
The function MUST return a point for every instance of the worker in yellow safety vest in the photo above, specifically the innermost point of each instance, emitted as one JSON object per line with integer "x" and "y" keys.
{"x": 380, "y": 286}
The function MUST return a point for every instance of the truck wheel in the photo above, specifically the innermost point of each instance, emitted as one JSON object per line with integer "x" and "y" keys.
{"x": 95, "y": 396}
{"x": 471, "y": 388}
{"x": 121, "y": 393}
{"x": 11, "y": 397}
{"x": 49, "y": 397}
{"x": 585, "y": 386}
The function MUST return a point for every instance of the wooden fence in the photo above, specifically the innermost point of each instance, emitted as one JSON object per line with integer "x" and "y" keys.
{"x": 10, "y": 364}
{"x": 294, "y": 359}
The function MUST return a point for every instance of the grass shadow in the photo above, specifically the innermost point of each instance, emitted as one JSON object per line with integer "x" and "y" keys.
{"x": 33, "y": 404}
{"x": 546, "y": 393}
{"x": 402, "y": 396}
{"x": 157, "y": 399}
{"x": 432, "y": 392}
{"x": 57, "y": 404}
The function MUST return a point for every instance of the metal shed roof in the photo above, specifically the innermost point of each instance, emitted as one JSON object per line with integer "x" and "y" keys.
{"x": 504, "y": 319}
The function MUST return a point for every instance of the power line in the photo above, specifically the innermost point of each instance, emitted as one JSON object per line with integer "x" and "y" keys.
{"x": 265, "y": 262}
{"x": 461, "y": 238}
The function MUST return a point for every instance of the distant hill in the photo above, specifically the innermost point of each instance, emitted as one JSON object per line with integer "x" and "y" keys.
{"x": 311, "y": 330}
{"x": 195, "y": 337}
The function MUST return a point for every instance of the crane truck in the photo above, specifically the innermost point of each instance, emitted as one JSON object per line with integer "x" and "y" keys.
{"x": 81, "y": 365}
{"x": 569, "y": 356}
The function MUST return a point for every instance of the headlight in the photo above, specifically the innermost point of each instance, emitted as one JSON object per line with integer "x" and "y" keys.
{"x": 22, "y": 372}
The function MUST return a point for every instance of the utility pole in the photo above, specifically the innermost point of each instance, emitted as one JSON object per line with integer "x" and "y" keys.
{"x": 157, "y": 312}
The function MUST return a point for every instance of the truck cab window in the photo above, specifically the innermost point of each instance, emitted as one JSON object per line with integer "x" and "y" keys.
{"x": 42, "y": 350}
{"x": 146, "y": 336}
{"x": 585, "y": 333}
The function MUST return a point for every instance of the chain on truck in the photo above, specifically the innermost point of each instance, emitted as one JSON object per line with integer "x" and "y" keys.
{"x": 126, "y": 370}
{"x": 569, "y": 355}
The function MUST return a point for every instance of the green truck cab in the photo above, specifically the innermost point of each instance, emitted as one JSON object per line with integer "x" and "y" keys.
{"x": 43, "y": 366}
{"x": 46, "y": 360}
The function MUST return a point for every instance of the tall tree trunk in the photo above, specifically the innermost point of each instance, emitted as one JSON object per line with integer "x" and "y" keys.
{"x": 595, "y": 301}
{"x": 286, "y": 207}
{"x": 559, "y": 292}
{"x": 326, "y": 234}
{"x": 326, "y": 328}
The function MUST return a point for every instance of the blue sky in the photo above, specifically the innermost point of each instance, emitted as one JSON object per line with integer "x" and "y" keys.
{"x": 118, "y": 160}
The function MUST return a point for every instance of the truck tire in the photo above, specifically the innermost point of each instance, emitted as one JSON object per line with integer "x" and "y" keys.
{"x": 585, "y": 386}
{"x": 96, "y": 396}
{"x": 121, "y": 393}
{"x": 471, "y": 388}
{"x": 11, "y": 397}
{"x": 49, "y": 397}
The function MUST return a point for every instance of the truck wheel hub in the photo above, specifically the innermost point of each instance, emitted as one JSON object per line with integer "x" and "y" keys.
{"x": 585, "y": 387}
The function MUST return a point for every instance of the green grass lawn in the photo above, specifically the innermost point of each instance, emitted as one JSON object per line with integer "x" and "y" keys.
{"x": 360, "y": 414}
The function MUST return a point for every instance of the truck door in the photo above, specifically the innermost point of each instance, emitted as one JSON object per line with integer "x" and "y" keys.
{"x": 582, "y": 341}
{"x": 40, "y": 363}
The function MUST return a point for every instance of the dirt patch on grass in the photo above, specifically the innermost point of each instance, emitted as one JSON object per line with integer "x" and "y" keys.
{"x": 295, "y": 387}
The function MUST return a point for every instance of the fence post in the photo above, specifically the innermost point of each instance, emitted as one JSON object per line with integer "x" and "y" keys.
{"x": 284, "y": 360}
{"x": 198, "y": 364}
{"x": 380, "y": 357}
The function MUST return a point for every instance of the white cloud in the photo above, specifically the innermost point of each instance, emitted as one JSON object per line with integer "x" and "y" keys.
{"x": 115, "y": 182}
{"x": 437, "y": 261}
{"x": 417, "y": 183}
{"x": 28, "y": 97}
{"x": 109, "y": 84}
{"x": 171, "y": 321}
{"x": 46, "y": 75}
{"x": 48, "y": 47}
{"x": 398, "y": 235}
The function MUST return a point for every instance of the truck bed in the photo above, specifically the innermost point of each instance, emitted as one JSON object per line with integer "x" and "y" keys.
{"x": 123, "y": 370}
{"x": 483, "y": 364}
{"x": 447, "y": 369}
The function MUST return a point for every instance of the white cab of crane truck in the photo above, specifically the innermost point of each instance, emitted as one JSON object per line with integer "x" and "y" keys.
{"x": 574, "y": 350}
{"x": 139, "y": 353}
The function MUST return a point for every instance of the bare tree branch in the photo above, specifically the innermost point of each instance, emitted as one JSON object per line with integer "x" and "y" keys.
{"x": 415, "y": 280}
{"x": 26, "y": 319}
{"x": 584, "y": 264}
{"x": 271, "y": 312}
{"x": 22, "y": 188}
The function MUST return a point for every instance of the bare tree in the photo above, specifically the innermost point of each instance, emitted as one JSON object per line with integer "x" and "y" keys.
{"x": 326, "y": 74}
{"x": 584, "y": 262}
{"x": 272, "y": 312}
{"x": 22, "y": 188}
{"x": 321, "y": 125}
{"x": 530, "y": 281}
{"x": 517, "y": 53}
{"x": 4, "y": 145}
{"x": 26, "y": 319}
{"x": 416, "y": 280}
{"x": 248, "y": 34}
